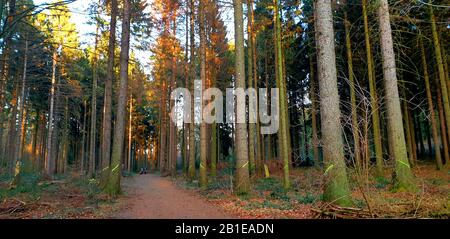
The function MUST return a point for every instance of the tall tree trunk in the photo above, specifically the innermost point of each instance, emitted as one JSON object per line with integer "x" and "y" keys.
{"x": 185, "y": 144}
{"x": 34, "y": 140}
{"x": 413, "y": 136}
{"x": 49, "y": 160}
{"x": 252, "y": 126}
{"x": 24, "y": 126}
{"x": 406, "y": 121}
{"x": 10, "y": 143}
{"x": 441, "y": 70}
{"x": 268, "y": 86}
{"x": 315, "y": 134}
{"x": 93, "y": 132}
{"x": 203, "y": 126}
{"x": 444, "y": 138}
{"x": 21, "y": 118}
{"x": 284, "y": 140}
{"x": 373, "y": 94}
{"x": 351, "y": 78}
{"x": 42, "y": 145}
{"x": 130, "y": 132}
{"x": 336, "y": 185}
{"x": 113, "y": 187}
{"x": 191, "y": 168}
{"x": 83, "y": 140}
{"x": 242, "y": 178}
{"x": 5, "y": 66}
{"x": 259, "y": 137}
{"x": 107, "y": 110}
{"x": 403, "y": 177}
{"x": 63, "y": 158}
{"x": 214, "y": 151}
{"x": 445, "y": 63}
{"x": 419, "y": 133}
{"x": 173, "y": 127}
{"x": 57, "y": 120}
{"x": 163, "y": 128}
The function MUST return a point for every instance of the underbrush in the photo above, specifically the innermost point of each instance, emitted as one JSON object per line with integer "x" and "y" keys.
{"x": 375, "y": 199}
{"x": 65, "y": 196}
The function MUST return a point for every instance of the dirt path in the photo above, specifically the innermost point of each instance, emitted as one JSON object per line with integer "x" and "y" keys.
{"x": 153, "y": 197}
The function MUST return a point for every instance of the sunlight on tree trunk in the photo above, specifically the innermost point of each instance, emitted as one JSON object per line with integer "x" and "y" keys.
{"x": 113, "y": 186}
{"x": 242, "y": 178}
{"x": 281, "y": 84}
{"x": 107, "y": 108}
{"x": 403, "y": 179}
{"x": 336, "y": 185}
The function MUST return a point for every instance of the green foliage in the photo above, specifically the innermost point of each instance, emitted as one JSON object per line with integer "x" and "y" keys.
{"x": 280, "y": 193}
{"x": 274, "y": 186}
{"x": 89, "y": 188}
{"x": 29, "y": 185}
{"x": 307, "y": 198}
{"x": 188, "y": 184}
{"x": 267, "y": 184}
{"x": 381, "y": 182}
{"x": 218, "y": 184}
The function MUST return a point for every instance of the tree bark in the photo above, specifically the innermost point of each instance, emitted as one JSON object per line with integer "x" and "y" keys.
{"x": 83, "y": 140}
{"x": 203, "y": 126}
{"x": 441, "y": 70}
{"x": 315, "y": 134}
{"x": 336, "y": 183}
{"x": 130, "y": 131}
{"x": 5, "y": 67}
{"x": 373, "y": 94}
{"x": 242, "y": 178}
{"x": 113, "y": 187}
{"x": 185, "y": 151}
{"x": 107, "y": 110}
{"x": 351, "y": 78}
{"x": 252, "y": 126}
{"x": 173, "y": 127}
{"x": 403, "y": 179}
{"x": 191, "y": 168}
{"x": 93, "y": 132}
{"x": 284, "y": 141}
{"x": 444, "y": 138}
{"x": 49, "y": 160}
{"x": 21, "y": 117}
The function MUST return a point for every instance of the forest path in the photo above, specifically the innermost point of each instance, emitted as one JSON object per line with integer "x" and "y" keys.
{"x": 153, "y": 197}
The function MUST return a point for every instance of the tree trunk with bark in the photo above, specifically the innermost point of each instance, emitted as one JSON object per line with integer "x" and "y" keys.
{"x": 441, "y": 70}
{"x": 93, "y": 131}
{"x": 49, "y": 159}
{"x": 336, "y": 184}
{"x": 191, "y": 168}
{"x": 242, "y": 178}
{"x": 403, "y": 179}
{"x": 283, "y": 135}
{"x": 107, "y": 110}
{"x": 113, "y": 186}
{"x": 375, "y": 113}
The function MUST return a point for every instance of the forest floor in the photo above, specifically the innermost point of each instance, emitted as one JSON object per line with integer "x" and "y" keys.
{"x": 152, "y": 196}
{"x": 372, "y": 199}
{"x": 66, "y": 197}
